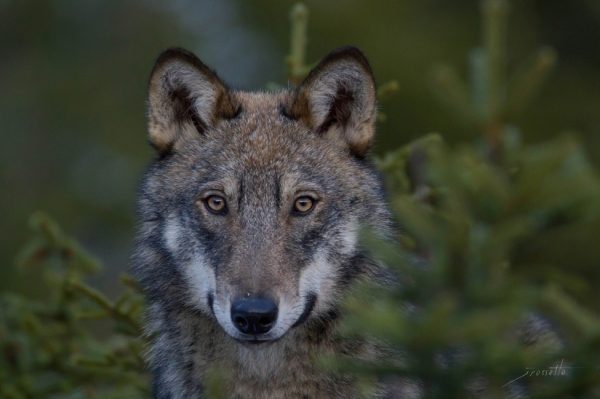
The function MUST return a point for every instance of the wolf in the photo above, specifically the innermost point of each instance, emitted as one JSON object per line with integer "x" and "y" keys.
{"x": 247, "y": 226}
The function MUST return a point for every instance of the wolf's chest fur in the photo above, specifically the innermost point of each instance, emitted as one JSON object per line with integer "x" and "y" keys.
{"x": 283, "y": 369}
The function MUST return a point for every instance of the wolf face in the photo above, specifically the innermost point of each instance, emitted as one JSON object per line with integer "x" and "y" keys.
{"x": 250, "y": 212}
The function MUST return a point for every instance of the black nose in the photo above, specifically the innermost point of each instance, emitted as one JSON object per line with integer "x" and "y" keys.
{"x": 253, "y": 315}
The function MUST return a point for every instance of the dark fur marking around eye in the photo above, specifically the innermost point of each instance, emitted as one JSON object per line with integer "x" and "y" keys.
{"x": 211, "y": 241}
{"x": 340, "y": 110}
{"x": 311, "y": 239}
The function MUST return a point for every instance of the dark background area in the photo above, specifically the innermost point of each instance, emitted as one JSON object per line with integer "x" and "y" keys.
{"x": 73, "y": 86}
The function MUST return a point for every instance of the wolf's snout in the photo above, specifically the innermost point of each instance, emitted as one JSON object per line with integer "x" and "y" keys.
{"x": 254, "y": 315}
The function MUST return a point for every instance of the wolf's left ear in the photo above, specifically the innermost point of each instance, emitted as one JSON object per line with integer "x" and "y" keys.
{"x": 339, "y": 95}
{"x": 185, "y": 97}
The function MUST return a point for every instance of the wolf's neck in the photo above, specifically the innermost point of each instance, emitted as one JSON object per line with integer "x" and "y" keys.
{"x": 274, "y": 368}
{"x": 296, "y": 350}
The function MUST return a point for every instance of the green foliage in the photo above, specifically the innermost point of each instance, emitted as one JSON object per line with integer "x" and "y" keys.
{"x": 75, "y": 342}
{"x": 468, "y": 279}
{"x": 492, "y": 282}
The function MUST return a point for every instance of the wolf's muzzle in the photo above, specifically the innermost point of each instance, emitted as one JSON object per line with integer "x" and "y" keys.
{"x": 254, "y": 316}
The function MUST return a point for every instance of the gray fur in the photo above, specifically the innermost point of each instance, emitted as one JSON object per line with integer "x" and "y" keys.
{"x": 259, "y": 151}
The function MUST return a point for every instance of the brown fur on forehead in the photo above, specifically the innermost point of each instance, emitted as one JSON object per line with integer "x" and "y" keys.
{"x": 258, "y": 102}
{"x": 263, "y": 137}
{"x": 260, "y": 134}
{"x": 261, "y": 127}
{"x": 263, "y": 143}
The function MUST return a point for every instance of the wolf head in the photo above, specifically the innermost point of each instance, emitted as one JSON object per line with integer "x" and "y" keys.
{"x": 251, "y": 209}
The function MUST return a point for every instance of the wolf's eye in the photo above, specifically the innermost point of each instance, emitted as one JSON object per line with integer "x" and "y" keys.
{"x": 303, "y": 205}
{"x": 215, "y": 204}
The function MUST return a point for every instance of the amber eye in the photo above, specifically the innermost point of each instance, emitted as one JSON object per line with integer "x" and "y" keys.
{"x": 304, "y": 205}
{"x": 215, "y": 204}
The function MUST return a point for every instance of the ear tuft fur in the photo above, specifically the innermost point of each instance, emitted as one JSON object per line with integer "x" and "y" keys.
{"x": 339, "y": 96}
{"x": 184, "y": 94}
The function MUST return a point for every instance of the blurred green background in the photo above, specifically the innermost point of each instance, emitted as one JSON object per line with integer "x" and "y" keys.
{"x": 73, "y": 85}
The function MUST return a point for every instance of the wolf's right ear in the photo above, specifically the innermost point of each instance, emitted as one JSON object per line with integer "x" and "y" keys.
{"x": 338, "y": 99}
{"x": 184, "y": 97}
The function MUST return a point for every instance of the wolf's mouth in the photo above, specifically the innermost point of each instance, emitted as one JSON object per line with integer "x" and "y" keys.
{"x": 309, "y": 305}
{"x": 210, "y": 300}
{"x": 253, "y": 342}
